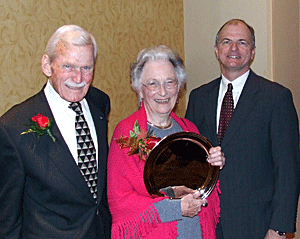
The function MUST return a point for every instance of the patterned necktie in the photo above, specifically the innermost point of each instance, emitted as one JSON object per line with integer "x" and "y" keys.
{"x": 86, "y": 150}
{"x": 226, "y": 112}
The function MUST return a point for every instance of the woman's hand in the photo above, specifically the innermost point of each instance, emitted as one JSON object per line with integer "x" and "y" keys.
{"x": 181, "y": 191}
{"x": 191, "y": 204}
{"x": 216, "y": 157}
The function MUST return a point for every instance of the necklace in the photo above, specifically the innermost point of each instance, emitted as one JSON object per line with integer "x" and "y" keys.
{"x": 161, "y": 127}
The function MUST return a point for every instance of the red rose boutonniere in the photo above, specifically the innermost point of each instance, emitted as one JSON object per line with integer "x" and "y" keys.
{"x": 139, "y": 142}
{"x": 40, "y": 124}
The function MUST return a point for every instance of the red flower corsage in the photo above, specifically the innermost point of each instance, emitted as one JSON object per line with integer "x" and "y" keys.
{"x": 40, "y": 124}
{"x": 139, "y": 142}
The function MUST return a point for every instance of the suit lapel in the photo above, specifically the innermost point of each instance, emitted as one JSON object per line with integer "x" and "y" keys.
{"x": 58, "y": 151}
{"x": 244, "y": 107}
{"x": 211, "y": 111}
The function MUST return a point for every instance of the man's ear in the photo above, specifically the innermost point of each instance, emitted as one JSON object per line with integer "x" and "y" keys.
{"x": 253, "y": 53}
{"x": 217, "y": 51}
{"x": 46, "y": 66}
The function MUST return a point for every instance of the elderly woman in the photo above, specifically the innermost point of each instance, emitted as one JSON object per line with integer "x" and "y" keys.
{"x": 157, "y": 76}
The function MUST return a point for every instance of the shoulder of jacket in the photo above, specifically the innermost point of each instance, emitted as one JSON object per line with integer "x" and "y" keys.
{"x": 95, "y": 92}
{"x": 206, "y": 87}
{"x": 270, "y": 87}
{"x": 20, "y": 110}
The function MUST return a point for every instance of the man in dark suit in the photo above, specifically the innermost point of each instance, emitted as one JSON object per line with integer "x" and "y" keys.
{"x": 43, "y": 192}
{"x": 258, "y": 184}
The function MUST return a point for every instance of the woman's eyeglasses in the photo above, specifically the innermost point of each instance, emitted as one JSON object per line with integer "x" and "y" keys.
{"x": 155, "y": 85}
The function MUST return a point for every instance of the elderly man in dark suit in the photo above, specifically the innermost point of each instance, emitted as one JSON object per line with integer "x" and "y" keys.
{"x": 255, "y": 122}
{"x": 53, "y": 170}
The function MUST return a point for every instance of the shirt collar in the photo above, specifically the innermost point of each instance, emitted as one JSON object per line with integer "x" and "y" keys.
{"x": 238, "y": 83}
{"x": 53, "y": 96}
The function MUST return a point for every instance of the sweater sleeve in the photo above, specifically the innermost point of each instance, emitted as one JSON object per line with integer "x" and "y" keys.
{"x": 169, "y": 210}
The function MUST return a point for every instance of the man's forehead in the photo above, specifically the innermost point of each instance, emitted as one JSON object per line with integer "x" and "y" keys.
{"x": 231, "y": 30}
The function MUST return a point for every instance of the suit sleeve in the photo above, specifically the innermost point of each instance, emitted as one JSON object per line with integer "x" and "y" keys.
{"x": 12, "y": 180}
{"x": 284, "y": 135}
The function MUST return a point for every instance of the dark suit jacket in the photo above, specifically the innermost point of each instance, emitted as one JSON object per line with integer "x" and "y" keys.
{"x": 259, "y": 180}
{"x": 42, "y": 192}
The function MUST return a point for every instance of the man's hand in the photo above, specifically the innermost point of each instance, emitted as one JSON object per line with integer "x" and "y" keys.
{"x": 271, "y": 234}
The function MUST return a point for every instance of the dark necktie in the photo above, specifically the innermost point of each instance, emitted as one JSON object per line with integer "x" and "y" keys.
{"x": 226, "y": 112}
{"x": 86, "y": 150}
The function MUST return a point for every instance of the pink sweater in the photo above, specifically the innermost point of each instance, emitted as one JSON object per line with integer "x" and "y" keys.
{"x": 131, "y": 206}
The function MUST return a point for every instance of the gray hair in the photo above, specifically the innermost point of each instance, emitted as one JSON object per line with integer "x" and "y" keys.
{"x": 236, "y": 21}
{"x": 70, "y": 35}
{"x": 156, "y": 53}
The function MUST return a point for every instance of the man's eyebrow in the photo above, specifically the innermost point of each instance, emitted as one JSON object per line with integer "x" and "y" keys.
{"x": 224, "y": 39}
{"x": 228, "y": 39}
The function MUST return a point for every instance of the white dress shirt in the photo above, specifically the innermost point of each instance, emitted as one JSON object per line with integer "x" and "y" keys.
{"x": 237, "y": 84}
{"x": 65, "y": 119}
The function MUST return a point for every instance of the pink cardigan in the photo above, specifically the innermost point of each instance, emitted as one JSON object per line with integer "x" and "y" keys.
{"x": 131, "y": 206}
